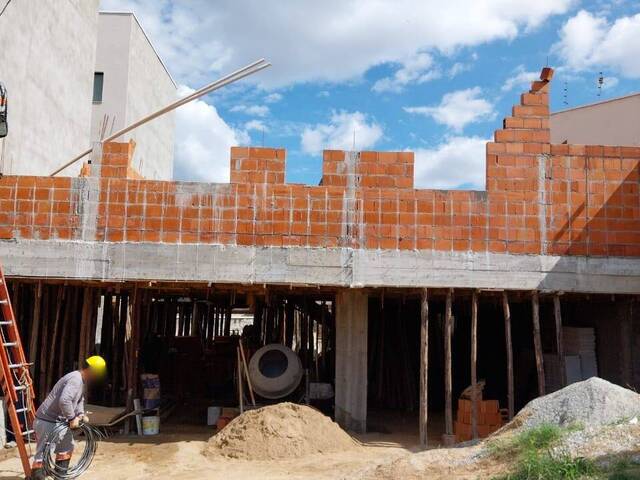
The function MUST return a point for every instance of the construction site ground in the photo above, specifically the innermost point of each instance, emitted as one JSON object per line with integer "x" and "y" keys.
{"x": 594, "y": 420}
{"x": 180, "y": 455}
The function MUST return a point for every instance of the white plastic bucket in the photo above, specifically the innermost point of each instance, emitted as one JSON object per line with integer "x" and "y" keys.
{"x": 151, "y": 425}
{"x": 213, "y": 413}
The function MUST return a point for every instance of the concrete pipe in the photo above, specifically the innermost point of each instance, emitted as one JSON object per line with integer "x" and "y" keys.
{"x": 275, "y": 371}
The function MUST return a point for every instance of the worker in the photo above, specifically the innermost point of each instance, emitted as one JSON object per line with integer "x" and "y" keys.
{"x": 65, "y": 403}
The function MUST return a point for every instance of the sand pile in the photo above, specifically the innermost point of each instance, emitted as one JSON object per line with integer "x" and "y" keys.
{"x": 593, "y": 402}
{"x": 279, "y": 431}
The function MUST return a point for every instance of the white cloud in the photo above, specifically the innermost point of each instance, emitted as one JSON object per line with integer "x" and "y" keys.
{"x": 339, "y": 133}
{"x": 458, "y": 109}
{"x": 609, "y": 83}
{"x": 459, "y": 161}
{"x": 458, "y": 68}
{"x": 256, "y": 110}
{"x": 257, "y": 125}
{"x": 521, "y": 78}
{"x": 416, "y": 69}
{"x": 333, "y": 40}
{"x": 588, "y": 41}
{"x": 273, "y": 98}
{"x": 203, "y": 140}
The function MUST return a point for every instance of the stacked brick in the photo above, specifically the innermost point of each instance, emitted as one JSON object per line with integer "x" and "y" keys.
{"x": 368, "y": 169}
{"x": 489, "y": 419}
{"x": 257, "y": 165}
{"x": 116, "y": 162}
{"x": 540, "y": 199}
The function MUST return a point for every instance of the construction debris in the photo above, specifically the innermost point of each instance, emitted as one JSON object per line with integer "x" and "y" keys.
{"x": 277, "y": 432}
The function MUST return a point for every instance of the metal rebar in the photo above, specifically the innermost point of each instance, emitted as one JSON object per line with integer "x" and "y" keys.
{"x": 230, "y": 78}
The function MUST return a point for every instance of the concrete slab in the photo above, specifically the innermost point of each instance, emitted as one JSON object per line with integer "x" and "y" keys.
{"x": 339, "y": 267}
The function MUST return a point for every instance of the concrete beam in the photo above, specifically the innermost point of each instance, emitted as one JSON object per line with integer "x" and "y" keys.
{"x": 339, "y": 267}
{"x": 352, "y": 310}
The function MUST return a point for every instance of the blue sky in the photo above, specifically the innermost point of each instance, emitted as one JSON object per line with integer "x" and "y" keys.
{"x": 423, "y": 75}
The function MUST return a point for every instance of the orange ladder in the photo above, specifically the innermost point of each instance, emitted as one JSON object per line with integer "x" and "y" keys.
{"x": 16, "y": 379}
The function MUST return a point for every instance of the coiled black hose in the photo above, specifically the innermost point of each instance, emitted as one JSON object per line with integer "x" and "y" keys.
{"x": 91, "y": 437}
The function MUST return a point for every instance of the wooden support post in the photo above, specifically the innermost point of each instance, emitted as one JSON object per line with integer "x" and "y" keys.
{"x": 240, "y": 392}
{"x": 48, "y": 292}
{"x": 424, "y": 364}
{"x": 35, "y": 328}
{"x": 448, "y": 381}
{"x": 537, "y": 343}
{"x": 474, "y": 358}
{"x": 559, "y": 341}
{"x": 53, "y": 350}
{"x": 507, "y": 336}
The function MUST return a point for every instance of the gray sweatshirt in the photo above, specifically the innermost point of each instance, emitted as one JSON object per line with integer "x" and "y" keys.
{"x": 65, "y": 401}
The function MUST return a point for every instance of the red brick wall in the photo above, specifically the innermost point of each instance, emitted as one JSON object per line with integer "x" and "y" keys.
{"x": 540, "y": 198}
{"x": 257, "y": 165}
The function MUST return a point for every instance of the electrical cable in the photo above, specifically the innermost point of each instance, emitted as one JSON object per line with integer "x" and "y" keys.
{"x": 92, "y": 437}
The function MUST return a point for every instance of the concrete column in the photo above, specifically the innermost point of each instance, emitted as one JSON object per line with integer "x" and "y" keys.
{"x": 351, "y": 359}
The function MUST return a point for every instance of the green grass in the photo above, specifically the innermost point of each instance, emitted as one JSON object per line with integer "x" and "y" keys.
{"x": 538, "y": 466}
{"x": 623, "y": 470}
{"x": 527, "y": 442}
{"x": 530, "y": 452}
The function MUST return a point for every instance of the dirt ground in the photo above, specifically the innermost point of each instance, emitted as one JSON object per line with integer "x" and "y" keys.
{"x": 180, "y": 456}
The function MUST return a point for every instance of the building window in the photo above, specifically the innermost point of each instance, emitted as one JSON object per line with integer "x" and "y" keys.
{"x": 98, "y": 83}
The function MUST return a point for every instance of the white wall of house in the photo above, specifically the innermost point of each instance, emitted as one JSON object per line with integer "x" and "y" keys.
{"x": 610, "y": 122}
{"x": 136, "y": 83}
{"x": 47, "y": 58}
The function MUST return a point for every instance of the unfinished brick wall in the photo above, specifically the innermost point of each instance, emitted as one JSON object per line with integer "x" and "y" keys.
{"x": 540, "y": 199}
{"x": 116, "y": 162}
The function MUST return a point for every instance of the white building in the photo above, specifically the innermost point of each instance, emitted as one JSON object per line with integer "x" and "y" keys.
{"x": 615, "y": 121}
{"x": 51, "y": 54}
{"x": 130, "y": 82}
{"x": 47, "y": 59}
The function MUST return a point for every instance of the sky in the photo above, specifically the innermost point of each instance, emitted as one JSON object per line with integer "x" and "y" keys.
{"x": 432, "y": 77}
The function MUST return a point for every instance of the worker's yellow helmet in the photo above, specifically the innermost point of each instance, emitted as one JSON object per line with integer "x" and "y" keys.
{"x": 97, "y": 365}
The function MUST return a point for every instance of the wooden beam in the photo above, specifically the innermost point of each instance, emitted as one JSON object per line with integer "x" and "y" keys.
{"x": 559, "y": 339}
{"x": 448, "y": 382}
{"x": 474, "y": 358}
{"x": 507, "y": 336}
{"x": 537, "y": 343}
{"x": 424, "y": 364}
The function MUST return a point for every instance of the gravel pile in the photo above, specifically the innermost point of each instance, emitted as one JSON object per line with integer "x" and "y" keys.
{"x": 590, "y": 403}
{"x": 603, "y": 442}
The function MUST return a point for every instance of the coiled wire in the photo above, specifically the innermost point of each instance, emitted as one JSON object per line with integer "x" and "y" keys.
{"x": 91, "y": 436}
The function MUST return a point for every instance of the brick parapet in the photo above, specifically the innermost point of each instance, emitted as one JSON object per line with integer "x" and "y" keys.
{"x": 540, "y": 199}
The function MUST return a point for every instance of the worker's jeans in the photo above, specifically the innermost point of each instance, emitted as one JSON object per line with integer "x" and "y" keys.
{"x": 64, "y": 443}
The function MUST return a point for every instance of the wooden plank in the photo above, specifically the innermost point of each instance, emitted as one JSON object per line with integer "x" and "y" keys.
{"x": 35, "y": 328}
{"x": 246, "y": 372}
{"x": 448, "y": 381}
{"x": 424, "y": 366}
{"x": 537, "y": 342}
{"x": 474, "y": 359}
{"x": 509, "y": 348}
{"x": 43, "y": 337}
{"x": 240, "y": 393}
{"x": 559, "y": 340}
